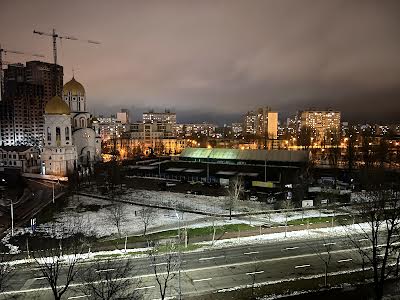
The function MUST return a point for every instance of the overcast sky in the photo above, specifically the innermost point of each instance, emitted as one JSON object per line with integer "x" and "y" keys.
{"x": 215, "y": 60}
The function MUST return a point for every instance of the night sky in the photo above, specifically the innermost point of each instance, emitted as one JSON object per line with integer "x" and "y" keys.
{"x": 214, "y": 60}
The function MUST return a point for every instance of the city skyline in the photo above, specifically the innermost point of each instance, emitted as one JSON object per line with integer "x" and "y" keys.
{"x": 214, "y": 61}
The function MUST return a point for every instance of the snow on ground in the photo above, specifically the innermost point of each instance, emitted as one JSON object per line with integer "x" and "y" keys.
{"x": 293, "y": 235}
{"x": 265, "y": 238}
{"x": 92, "y": 215}
{"x": 100, "y": 222}
{"x": 199, "y": 203}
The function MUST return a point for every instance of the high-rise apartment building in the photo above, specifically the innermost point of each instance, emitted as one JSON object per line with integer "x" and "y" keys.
{"x": 249, "y": 123}
{"x": 123, "y": 116}
{"x": 321, "y": 122}
{"x": 267, "y": 123}
{"x": 263, "y": 122}
{"x": 237, "y": 129}
{"x": 165, "y": 117}
{"x": 27, "y": 89}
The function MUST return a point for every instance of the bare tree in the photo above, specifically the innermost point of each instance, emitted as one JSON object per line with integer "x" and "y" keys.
{"x": 57, "y": 260}
{"x": 378, "y": 241}
{"x": 6, "y": 271}
{"x": 147, "y": 215}
{"x": 116, "y": 215}
{"x": 304, "y": 138}
{"x": 256, "y": 269}
{"x": 324, "y": 253}
{"x": 108, "y": 281}
{"x": 165, "y": 266}
{"x": 286, "y": 206}
{"x": 234, "y": 191}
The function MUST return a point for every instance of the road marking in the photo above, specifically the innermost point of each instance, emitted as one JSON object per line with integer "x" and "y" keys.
{"x": 329, "y": 244}
{"x": 159, "y": 264}
{"x": 363, "y": 240}
{"x": 302, "y": 266}
{"x": 25, "y": 291}
{"x": 78, "y": 297}
{"x": 253, "y": 273}
{"x": 291, "y": 248}
{"x": 204, "y": 279}
{"x": 145, "y": 287}
{"x": 344, "y": 260}
{"x": 249, "y": 253}
{"x": 39, "y": 278}
{"x": 209, "y": 258}
{"x": 105, "y": 270}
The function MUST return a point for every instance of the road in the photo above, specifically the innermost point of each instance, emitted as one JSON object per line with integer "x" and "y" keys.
{"x": 208, "y": 271}
{"x": 32, "y": 204}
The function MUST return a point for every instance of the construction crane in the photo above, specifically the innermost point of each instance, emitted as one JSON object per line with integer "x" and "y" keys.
{"x": 5, "y": 51}
{"x": 54, "y": 37}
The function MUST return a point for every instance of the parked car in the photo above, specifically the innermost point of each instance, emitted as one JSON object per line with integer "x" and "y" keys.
{"x": 253, "y": 198}
{"x": 169, "y": 184}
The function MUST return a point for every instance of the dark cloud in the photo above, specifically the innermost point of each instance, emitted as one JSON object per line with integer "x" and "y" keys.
{"x": 218, "y": 59}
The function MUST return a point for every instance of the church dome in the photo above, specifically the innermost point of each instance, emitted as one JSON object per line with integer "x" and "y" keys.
{"x": 74, "y": 87}
{"x": 56, "y": 106}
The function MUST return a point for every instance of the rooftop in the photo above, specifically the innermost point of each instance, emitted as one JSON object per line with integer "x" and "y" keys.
{"x": 246, "y": 155}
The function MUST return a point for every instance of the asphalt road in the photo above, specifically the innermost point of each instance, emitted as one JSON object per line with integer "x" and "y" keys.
{"x": 24, "y": 209}
{"x": 208, "y": 271}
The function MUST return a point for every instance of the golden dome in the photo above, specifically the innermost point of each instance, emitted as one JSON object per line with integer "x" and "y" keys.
{"x": 56, "y": 106}
{"x": 73, "y": 87}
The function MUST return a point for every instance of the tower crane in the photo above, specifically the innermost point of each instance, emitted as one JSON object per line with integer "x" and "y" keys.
{"x": 54, "y": 35}
{"x": 5, "y": 51}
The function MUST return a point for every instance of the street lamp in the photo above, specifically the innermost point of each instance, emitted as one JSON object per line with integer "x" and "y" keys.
{"x": 12, "y": 215}
{"x": 179, "y": 255}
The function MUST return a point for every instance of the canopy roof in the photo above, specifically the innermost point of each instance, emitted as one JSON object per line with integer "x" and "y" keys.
{"x": 246, "y": 155}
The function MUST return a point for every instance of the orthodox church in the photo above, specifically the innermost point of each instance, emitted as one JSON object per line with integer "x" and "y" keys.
{"x": 71, "y": 136}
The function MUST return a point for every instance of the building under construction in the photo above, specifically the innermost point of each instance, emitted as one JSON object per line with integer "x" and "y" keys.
{"x": 27, "y": 89}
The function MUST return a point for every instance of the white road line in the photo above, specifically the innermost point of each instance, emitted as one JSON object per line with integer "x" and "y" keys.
{"x": 209, "y": 258}
{"x": 159, "y": 264}
{"x": 249, "y": 253}
{"x": 208, "y": 268}
{"x": 291, "y": 248}
{"x": 145, "y": 287}
{"x": 344, "y": 260}
{"x": 363, "y": 240}
{"x": 302, "y": 266}
{"x": 252, "y": 273}
{"x": 39, "y": 278}
{"x": 78, "y": 297}
{"x": 105, "y": 270}
{"x": 329, "y": 244}
{"x": 204, "y": 279}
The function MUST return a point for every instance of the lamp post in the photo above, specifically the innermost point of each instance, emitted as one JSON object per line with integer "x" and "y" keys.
{"x": 12, "y": 218}
{"x": 179, "y": 256}
{"x": 53, "y": 190}
{"x": 12, "y": 215}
